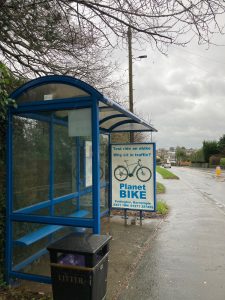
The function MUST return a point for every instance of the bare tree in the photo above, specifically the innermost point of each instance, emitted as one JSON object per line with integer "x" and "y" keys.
{"x": 71, "y": 36}
{"x": 161, "y": 21}
{"x": 38, "y": 38}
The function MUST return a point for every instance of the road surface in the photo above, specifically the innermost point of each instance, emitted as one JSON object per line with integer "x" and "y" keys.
{"x": 186, "y": 260}
{"x": 205, "y": 182}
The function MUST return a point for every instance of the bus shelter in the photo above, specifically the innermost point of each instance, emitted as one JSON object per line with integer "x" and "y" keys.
{"x": 57, "y": 167}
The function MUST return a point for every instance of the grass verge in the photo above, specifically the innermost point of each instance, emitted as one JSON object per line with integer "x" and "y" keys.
{"x": 160, "y": 188}
{"x": 165, "y": 173}
{"x": 162, "y": 207}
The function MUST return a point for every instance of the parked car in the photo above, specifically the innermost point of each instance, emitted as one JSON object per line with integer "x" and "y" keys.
{"x": 167, "y": 165}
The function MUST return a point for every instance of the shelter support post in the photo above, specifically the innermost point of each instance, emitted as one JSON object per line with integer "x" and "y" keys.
{"x": 95, "y": 166}
{"x": 110, "y": 174}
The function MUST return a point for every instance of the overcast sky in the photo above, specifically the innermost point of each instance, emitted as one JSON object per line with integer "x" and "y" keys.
{"x": 183, "y": 94}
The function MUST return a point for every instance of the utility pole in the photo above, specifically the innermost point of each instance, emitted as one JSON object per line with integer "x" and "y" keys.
{"x": 130, "y": 68}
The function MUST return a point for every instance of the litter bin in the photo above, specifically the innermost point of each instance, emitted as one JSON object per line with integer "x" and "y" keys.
{"x": 79, "y": 265}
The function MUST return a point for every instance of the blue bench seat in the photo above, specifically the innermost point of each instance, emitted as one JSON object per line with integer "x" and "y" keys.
{"x": 38, "y": 234}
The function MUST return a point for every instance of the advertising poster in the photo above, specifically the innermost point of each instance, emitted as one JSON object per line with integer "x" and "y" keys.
{"x": 133, "y": 176}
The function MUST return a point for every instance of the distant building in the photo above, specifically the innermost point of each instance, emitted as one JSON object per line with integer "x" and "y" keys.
{"x": 190, "y": 151}
{"x": 170, "y": 155}
{"x": 167, "y": 155}
{"x": 161, "y": 153}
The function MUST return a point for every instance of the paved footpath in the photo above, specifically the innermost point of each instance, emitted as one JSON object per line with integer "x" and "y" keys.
{"x": 187, "y": 258}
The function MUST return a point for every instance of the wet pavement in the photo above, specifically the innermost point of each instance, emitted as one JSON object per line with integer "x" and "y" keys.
{"x": 186, "y": 259}
{"x": 128, "y": 246}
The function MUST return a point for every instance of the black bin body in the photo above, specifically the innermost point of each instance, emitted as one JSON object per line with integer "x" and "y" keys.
{"x": 79, "y": 265}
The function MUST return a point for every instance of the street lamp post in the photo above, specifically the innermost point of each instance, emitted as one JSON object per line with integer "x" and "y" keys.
{"x": 130, "y": 67}
{"x": 131, "y": 101}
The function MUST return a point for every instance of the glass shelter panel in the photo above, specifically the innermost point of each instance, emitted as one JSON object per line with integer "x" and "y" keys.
{"x": 22, "y": 251}
{"x": 64, "y": 161}
{"x": 30, "y": 256}
{"x": 50, "y": 91}
{"x": 52, "y": 163}
{"x": 106, "y": 112}
{"x": 78, "y": 201}
{"x": 113, "y": 121}
{"x": 30, "y": 162}
{"x": 131, "y": 127}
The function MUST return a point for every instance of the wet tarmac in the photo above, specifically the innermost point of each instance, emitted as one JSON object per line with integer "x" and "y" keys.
{"x": 186, "y": 260}
{"x": 206, "y": 182}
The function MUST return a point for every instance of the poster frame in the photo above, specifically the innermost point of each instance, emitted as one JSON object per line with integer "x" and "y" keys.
{"x": 153, "y": 174}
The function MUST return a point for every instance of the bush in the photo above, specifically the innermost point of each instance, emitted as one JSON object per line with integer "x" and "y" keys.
{"x": 209, "y": 148}
{"x": 222, "y": 162}
{"x": 197, "y": 156}
{"x": 214, "y": 160}
{"x": 7, "y": 82}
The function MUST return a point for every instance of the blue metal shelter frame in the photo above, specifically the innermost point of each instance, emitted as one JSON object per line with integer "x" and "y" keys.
{"x": 106, "y": 117}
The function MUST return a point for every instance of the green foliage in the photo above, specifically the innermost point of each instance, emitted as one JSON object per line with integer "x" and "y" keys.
{"x": 7, "y": 83}
{"x": 221, "y": 144}
{"x": 222, "y": 162}
{"x": 160, "y": 188}
{"x": 158, "y": 160}
{"x": 214, "y": 160}
{"x": 209, "y": 148}
{"x": 4, "y": 101}
{"x": 180, "y": 154}
{"x": 211, "y": 152}
{"x": 165, "y": 173}
{"x": 5, "y": 80}
{"x": 198, "y": 156}
{"x": 2, "y": 234}
{"x": 162, "y": 207}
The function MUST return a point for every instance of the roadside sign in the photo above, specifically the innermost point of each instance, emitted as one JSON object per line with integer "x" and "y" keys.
{"x": 133, "y": 176}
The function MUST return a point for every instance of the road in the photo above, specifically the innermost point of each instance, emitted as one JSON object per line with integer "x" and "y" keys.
{"x": 186, "y": 259}
{"x": 205, "y": 182}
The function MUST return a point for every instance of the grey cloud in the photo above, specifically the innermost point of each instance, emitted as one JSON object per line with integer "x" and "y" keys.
{"x": 183, "y": 94}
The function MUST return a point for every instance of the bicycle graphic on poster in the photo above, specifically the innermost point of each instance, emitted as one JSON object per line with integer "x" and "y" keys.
{"x": 142, "y": 173}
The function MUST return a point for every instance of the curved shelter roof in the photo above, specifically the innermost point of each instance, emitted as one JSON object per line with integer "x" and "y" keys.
{"x": 112, "y": 116}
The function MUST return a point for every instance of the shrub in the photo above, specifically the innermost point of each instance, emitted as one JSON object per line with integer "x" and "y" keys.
{"x": 222, "y": 162}
{"x": 209, "y": 148}
{"x": 214, "y": 160}
{"x": 197, "y": 156}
